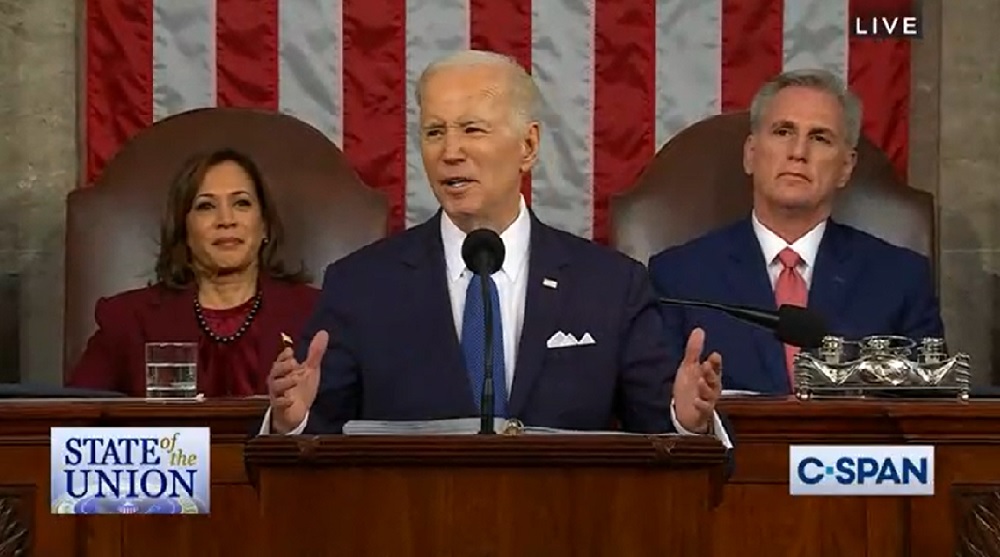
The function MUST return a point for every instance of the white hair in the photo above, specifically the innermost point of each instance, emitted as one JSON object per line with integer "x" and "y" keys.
{"x": 815, "y": 79}
{"x": 525, "y": 98}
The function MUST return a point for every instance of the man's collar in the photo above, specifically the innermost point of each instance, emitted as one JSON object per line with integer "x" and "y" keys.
{"x": 515, "y": 239}
{"x": 771, "y": 244}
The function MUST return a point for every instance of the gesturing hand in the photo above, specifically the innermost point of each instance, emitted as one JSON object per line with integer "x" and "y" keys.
{"x": 698, "y": 385}
{"x": 292, "y": 386}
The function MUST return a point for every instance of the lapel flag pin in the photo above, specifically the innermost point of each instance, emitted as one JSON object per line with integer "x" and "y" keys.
{"x": 550, "y": 283}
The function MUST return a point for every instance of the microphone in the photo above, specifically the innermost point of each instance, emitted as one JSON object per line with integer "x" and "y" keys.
{"x": 794, "y": 325}
{"x": 483, "y": 252}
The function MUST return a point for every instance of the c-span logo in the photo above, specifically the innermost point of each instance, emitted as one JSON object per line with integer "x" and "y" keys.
{"x": 861, "y": 470}
{"x": 130, "y": 470}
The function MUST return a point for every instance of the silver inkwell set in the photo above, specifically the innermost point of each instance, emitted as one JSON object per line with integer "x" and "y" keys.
{"x": 881, "y": 366}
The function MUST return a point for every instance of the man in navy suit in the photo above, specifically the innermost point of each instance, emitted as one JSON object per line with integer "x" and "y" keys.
{"x": 805, "y": 126}
{"x": 580, "y": 343}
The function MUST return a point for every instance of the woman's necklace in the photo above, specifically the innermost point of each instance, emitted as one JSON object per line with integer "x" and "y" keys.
{"x": 239, "y": 332}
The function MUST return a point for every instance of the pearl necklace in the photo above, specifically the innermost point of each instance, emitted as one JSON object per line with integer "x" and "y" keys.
{"x": 239, "y": 332}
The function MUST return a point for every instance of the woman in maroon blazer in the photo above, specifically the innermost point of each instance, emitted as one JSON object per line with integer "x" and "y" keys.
{"x": 219, "y": 282}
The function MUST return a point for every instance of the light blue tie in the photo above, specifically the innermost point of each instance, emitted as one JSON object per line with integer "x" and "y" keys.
{"x": 474, "y": 344}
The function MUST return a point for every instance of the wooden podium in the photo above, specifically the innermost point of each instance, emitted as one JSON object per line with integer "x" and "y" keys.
{"x": 474, "y": 495}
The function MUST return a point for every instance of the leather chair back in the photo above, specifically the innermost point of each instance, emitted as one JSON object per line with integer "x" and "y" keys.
{"x": 696, "y": 183}
{"x": 112, "y": 230}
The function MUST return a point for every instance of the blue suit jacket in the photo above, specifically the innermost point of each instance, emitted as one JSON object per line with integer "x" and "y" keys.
{"x": 861, "y": 285}
{"x": 394, "y": 353}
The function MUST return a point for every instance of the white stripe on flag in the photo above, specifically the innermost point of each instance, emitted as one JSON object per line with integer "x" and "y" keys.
{"x": 183, "y": 56}
{"x": 815, "y": 35}
{"x": 562, "y": 59}
{"x": 688, "y": 64}
{"x": 433, "y": 30}
{"x": 310, "y": 68}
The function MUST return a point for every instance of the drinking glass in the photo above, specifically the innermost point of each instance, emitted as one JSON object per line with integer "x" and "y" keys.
{"x": 171, "y": 369}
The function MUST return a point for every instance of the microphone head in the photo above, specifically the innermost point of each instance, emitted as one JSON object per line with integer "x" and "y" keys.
{"x": 800, "y": 327}
{"x": 483, "y": 251}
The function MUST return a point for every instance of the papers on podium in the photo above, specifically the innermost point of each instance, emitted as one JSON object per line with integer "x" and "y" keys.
{"x": 740, "y": 393}
{"x": 457, "y": 426}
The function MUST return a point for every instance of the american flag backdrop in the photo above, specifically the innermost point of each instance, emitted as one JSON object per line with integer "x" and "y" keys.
{"x": 618, "y": 77}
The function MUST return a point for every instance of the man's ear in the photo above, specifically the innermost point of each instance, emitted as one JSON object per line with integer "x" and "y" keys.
{"x": 529, "y": 146}
{"x": 748, "y": 151}
{"x": 850, "y": 161}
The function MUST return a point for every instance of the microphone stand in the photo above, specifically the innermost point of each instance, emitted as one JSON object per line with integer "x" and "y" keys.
{"x": 487, "y": 407}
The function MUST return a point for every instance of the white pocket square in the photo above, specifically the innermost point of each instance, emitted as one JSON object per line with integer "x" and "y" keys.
{"x": 566, "y": 340}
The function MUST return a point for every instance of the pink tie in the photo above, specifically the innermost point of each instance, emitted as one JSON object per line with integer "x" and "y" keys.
{"x": 790, "y": 289}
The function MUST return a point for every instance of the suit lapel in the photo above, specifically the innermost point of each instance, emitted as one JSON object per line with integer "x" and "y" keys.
{"x": 547, "y": 260}
{"x": 834, "y": 271}
{"x": 425, "y": 258}
{"x": 746, "y": 273}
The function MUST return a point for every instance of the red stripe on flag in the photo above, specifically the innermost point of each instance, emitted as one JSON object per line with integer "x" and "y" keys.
{"x": 752, "y": 43}
{"x": 119, "y": 79}
{"x": 624, "y": 100}
{"x": 374, "y": 71}
{"x": 246, "y": 53}
{"x": 878, "y": 72}
{"x": 503, "y": 27}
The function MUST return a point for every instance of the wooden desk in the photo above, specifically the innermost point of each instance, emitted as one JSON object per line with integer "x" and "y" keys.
{"x": 233, "y": 527}
{"x": 759, "y": 517}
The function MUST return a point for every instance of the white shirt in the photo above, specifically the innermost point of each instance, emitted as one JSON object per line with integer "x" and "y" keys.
{"x": 771, "y": 245}
{"x": 511, "y": 280}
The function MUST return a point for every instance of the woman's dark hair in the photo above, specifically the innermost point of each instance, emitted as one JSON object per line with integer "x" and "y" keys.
{"x": 173, "y": 264}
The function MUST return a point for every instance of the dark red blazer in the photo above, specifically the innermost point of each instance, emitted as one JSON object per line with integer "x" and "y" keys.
{"x": 115, "y": 356}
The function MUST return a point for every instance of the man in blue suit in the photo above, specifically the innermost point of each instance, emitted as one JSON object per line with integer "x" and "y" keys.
{"x": 579, "y": 340}
{"x": 805, "y": 126}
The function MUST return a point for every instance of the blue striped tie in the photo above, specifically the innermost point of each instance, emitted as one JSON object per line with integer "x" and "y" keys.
{"x": 474, "y": 344}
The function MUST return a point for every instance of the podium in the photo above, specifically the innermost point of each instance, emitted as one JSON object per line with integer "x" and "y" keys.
{"x": 497, "y": 496}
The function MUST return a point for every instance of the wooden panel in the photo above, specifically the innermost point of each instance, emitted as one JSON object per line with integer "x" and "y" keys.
{"x": 15, "y": 523}
{"x": 24, "y": 469}
{"x": 978, "y": 521}
{"x": 232, "y": 529}
{"x": 762, "y": 518}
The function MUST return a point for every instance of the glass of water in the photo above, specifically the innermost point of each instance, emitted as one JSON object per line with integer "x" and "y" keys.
{"x": 171, "y": 369}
